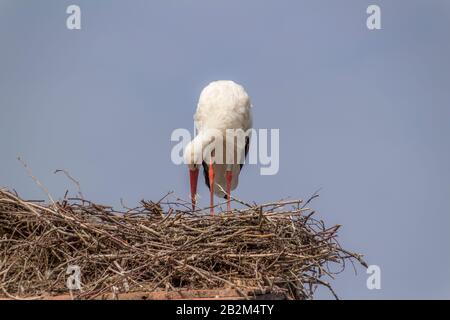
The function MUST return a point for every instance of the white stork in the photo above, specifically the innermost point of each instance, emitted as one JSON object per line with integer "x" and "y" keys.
{"x": 223, "y": 105}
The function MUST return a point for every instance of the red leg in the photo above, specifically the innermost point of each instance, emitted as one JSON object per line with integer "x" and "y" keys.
{"x": 229, "y": 177}
{"x": 211, "y": 184}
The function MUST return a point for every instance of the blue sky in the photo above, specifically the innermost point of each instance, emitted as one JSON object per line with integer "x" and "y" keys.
{"x": 364, "y": 115}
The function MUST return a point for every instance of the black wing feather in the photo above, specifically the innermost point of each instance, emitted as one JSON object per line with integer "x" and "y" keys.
{"x": 205, "y": 173}
{"x": 247, "y": 147}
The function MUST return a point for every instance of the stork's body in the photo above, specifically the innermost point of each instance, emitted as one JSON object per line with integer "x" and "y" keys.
{"x": 223, "y": 105}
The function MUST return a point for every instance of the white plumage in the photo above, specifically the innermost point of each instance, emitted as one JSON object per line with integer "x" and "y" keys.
{"x": 222, "y": 105}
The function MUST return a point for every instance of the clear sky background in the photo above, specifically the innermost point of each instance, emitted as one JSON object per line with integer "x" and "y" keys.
{"x": 364, "y": 115}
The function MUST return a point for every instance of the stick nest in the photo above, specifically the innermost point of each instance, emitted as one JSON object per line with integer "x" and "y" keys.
{"x": 277, "y": 247}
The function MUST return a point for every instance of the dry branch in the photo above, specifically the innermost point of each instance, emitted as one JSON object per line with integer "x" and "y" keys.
{"x": 277, "y": 247}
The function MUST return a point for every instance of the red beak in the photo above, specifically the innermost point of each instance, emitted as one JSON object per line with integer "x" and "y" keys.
{"x": 193, "y": 175}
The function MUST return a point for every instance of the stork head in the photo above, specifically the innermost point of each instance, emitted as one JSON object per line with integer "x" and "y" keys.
{"x": 201, "y": 148}
{"x": 193, "y": 154}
